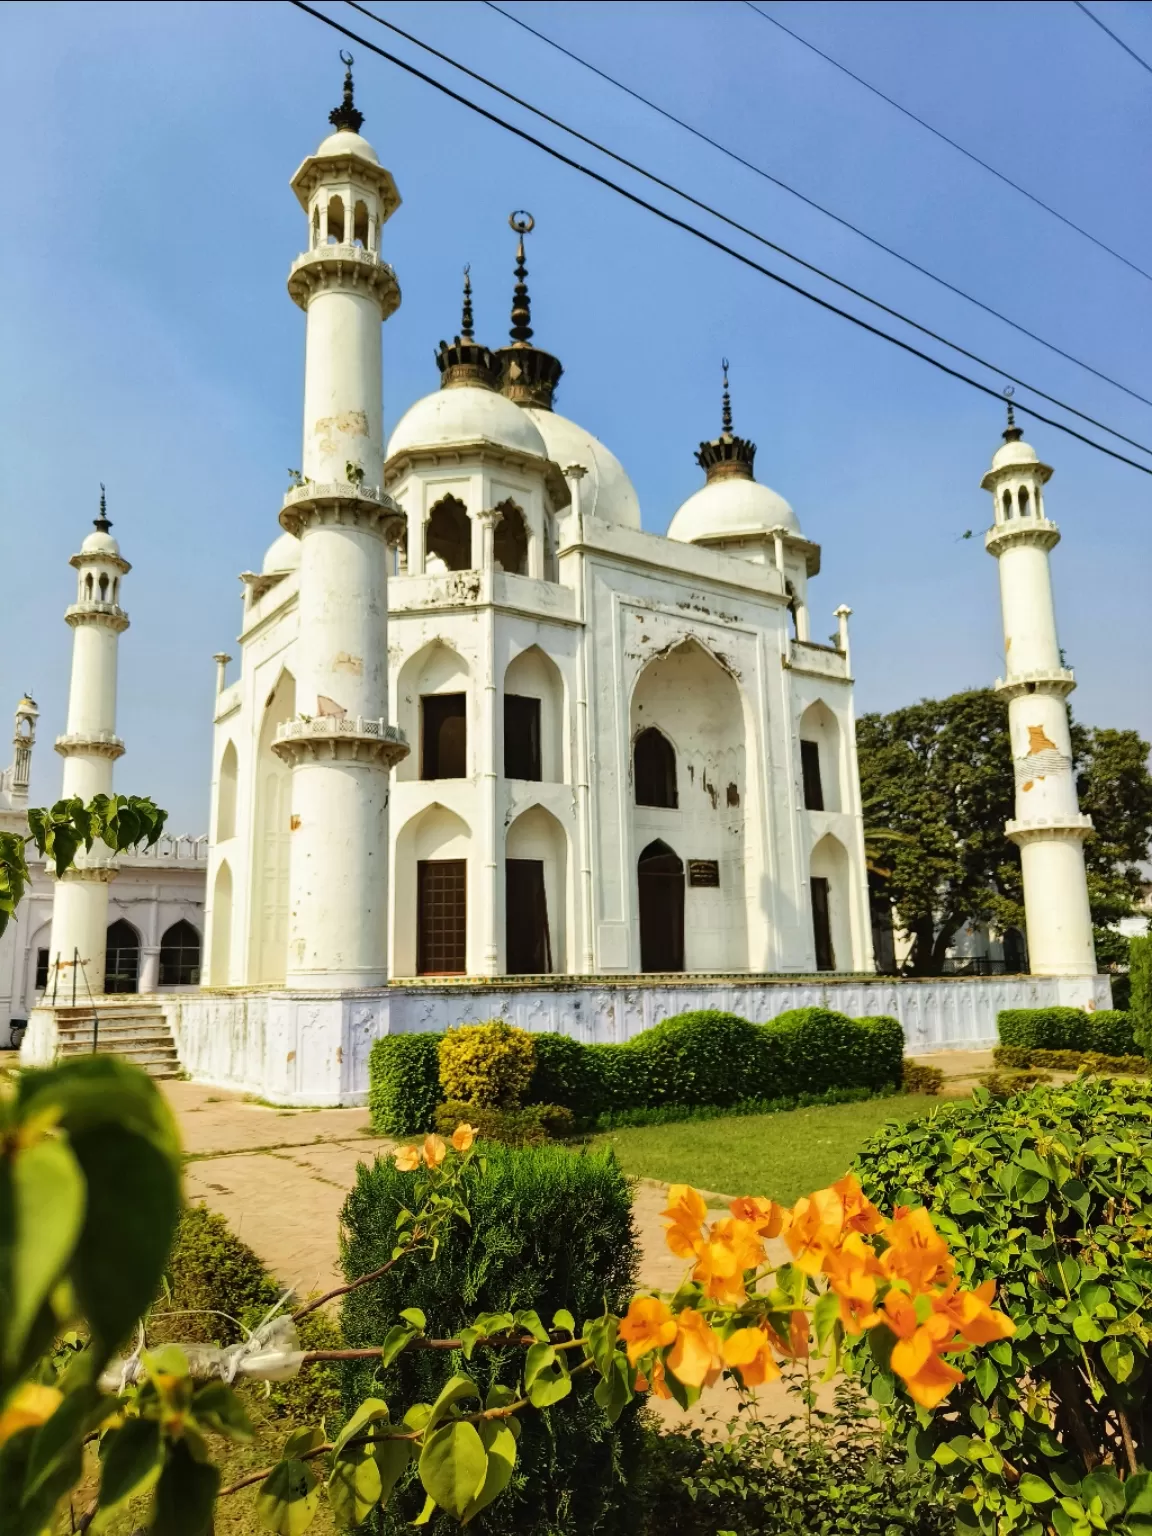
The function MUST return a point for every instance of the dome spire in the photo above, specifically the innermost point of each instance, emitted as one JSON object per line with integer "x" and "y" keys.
{"x": 1012, "y": 433}
{"x": 347, "y": 116}
{"x": 727, "y": 457}
{"x": 529, "y": 375}
{"x": 103, "y": 522}
{"x": 466, "y": 310}
{"x": 466, "y": 361}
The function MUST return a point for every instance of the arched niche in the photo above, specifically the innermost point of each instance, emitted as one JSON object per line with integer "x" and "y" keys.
{"x": 122, "y": 957}
{"x": 820, "y": 758}
{"x": 430, "y": 894}
{"x": 272, "y": 826}
{"x": 535, "y": 895}
{"x": 439, "y": 673}
{"x": 220, "y": 968}
{"x": 831, "y": 916}
{"x": 448, "y": 537}
{"x": 226, "y": 794}
{"x": 654, "y": 770}
{"x": 510, "y": 540}
{"x": 533, "y": 718}
{"x": 660, "y": 890}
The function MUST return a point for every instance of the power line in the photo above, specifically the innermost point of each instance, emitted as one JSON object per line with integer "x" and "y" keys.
{"x": 1131, "y": 52}
{"x": 812, "y": 203}
{"x": 967, "y": 153}
{"x": 671, "y": 218}
{"x": 743, "y": 228}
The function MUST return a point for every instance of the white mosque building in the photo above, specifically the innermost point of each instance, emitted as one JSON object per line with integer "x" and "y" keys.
{"x": 493, "y": 748}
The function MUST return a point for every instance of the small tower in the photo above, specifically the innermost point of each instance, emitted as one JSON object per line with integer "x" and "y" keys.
{"x": 341, "y": 747}
{"x": 1048, "y": 826}
{"x": 466, "y": 363}
{"x": 89, "y": 748}
{"x": 14, "y": 780}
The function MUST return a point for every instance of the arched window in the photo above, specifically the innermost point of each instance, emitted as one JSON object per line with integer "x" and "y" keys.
{"x": 1024, "y": 507}
{"x": 180, "y": 956}
{"x": 448, "y": 540}
{"x": 103, "y": 586}
{"x": 336, "y": 221}
{"x": 660, "y": 884}
{"x": 654, "y": 769}
{"x": 360, "y": 225}
{"x": 88, "y": 586}
{"x": 226, "y": 795}
{"x": 115, "y": 589}
{"x": 510, "y": 546}
{"x": 1006, "y": 502}
{"x": 122, "y": 958}
{"x": 316, "y": 225}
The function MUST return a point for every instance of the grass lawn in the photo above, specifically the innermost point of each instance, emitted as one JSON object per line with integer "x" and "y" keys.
{"x": 784, "y": 1155}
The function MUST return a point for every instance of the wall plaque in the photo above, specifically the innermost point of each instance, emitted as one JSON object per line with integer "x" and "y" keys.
{"x": 703, "y": 872}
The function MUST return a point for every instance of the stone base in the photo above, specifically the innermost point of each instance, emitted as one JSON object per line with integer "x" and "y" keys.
{"x": 311, "y": 1048}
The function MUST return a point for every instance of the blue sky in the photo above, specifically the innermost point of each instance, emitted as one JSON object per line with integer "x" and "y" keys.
{"x": 148, "y": 341}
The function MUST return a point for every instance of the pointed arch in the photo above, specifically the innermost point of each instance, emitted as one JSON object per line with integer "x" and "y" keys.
{"x": 536, "y": 894}
{"x": 122, "y": 957}
{"x": 272, "y": 830}
{"x": 336, "y": 220}
{"x": 820, "y": 751}
{"x": 534, "y": 718}
{"x": 430, "y": 904}
{"x": 510, "y": 543}
{"x": 180, "y": 955}
{"x": 226, "y": 794}
{"x": 654, "y": 769}
{"x": 432, "y": 710}
{"x": 448, "y": 537}
{"x": 831, "y": 920}
{"x": 220, "y": 971}
{"x": 660, "y": 889}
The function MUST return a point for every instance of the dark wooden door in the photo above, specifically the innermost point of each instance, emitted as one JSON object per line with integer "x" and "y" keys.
{"x": 660, "y": 878}
{"x": 822, "y": 925}
{"x": 528, "y": 951}
{"x": 442, "y": 917}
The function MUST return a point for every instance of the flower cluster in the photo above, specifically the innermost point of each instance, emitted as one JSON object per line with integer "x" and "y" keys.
{"x": 896, "y": 1273}
{"x": 434, "y": 1149}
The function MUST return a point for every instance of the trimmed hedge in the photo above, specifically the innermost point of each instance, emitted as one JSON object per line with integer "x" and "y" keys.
{"x": 694, "y": 1060}
{"x": 548, "y": 1229}
{"x": 1096, "y": 1062}
{"x": 1140, "y": 990}
{"x": 1107, "y": 1031}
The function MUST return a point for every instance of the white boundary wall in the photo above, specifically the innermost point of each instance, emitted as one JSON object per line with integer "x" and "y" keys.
{"x": 312, "y": 1048}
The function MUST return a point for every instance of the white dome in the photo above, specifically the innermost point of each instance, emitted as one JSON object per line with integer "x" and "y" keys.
{"x": 283, "y": 554}
{"x": 99, "y": 543}
{"x": 606, "y": 491}
{"x": 1018, "y": 452}
{"x": 731, "y": 509}
{"x": 347, "y": 143}
{"x": 465, "y": 415}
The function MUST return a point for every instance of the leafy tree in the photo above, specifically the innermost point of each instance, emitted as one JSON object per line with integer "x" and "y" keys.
{"x": 940, "y": 772}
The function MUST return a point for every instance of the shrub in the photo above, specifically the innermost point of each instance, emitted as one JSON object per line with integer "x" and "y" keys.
{"x": 1050, "y": 1194}
{"x": 567, "y": 1072}
{"x": 918, "y": 1077}
{"x": 489, "y": 1065}
{"x": 549, "y": 1229}
{"x": 529, "y": 1126}
{"x": 404, "y": 1083}
{"x": 1107, "y": 1030}
{"x": 1140, "y": 990}
{"x": 1003, "y": 1085}
{"x": 1071, "y": 1061}
{"x": 1110, "y": 1032}
{"x": 816, "y": 1048}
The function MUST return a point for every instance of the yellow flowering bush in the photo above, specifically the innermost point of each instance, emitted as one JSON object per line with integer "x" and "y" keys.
{"x": 489, "y": 1065}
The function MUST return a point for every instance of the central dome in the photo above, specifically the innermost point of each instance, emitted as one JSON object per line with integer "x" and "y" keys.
{"x": 466, "y": 414}
{"x": 606, "y": 491}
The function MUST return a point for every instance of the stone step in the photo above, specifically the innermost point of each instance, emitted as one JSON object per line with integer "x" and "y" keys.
{"x": 114, "y": 1033}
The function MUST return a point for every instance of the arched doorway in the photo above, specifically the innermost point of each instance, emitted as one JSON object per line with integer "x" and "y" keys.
{"x": 660, "y": 879}
{"x": 122, "y": 958}
{"x": 180, "y": 956}
{"x": 1015, "y": 953}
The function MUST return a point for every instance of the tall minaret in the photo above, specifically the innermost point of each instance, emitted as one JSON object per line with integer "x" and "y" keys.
{"x": 1048, "y": 826}
{"x": 341, "y": 747}
{"x": 14, "y": 780}
{"x": 89, "y": 748}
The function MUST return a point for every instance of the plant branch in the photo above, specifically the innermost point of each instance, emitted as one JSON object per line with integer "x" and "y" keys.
{"x": 342, "y": 1290}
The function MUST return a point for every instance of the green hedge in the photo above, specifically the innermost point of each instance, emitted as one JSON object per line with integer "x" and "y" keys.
{"x": 1140, "y": 990}
{"x": 694, "y": 1060}
{"x": 549, "y": 1229}
{"x": 1107, "y": 1031}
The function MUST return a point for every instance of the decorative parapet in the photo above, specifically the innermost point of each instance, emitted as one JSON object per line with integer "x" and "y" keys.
{"x": 359, "y": 506}
{"x": 817, "y": 660}
{"x": 111, "y": 615}
{"x": 1024, "y": 530}
{"x": 344, "y": 266}
{"x": 97, "y": 743}
{"x": 1057, "y": 680}
{"x": 1047, "y": 829}
{"x": 175, "y": 848}
{"x": 343, "y": 738}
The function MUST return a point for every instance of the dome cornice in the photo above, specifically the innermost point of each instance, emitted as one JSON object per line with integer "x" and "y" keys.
{"x": 478, "y": 451}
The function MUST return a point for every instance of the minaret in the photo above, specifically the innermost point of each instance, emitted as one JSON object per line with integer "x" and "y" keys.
{"x": 341, "y": 747}
{"x": 1048, "y": 826}
{"x": 89, "y": 748}
{"x": 14, "y": 781}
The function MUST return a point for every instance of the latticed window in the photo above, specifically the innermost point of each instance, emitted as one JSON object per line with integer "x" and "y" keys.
{"x": 441, "y": 917}
{"x": 180, "y": 956}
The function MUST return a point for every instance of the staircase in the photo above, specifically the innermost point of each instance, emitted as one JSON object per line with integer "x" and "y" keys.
{"x": 120, "y": 1026}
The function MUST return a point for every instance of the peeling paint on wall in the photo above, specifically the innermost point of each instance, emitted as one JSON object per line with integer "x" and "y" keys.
{"x": 347, "y": 423}
{"x": 346, "y": 663}
{"x": 294, "y": 823}
{"x": 1038, "y": 741}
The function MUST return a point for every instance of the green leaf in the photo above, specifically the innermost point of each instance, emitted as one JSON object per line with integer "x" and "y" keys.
{"x": 354, "y": 1484}
{"x": 614, "y": 1392}
{"x": 564, "y": 1320}
{"x": 392, "y": 1457}
{"x": 371, "y": 1411}
{"x": 217, "y": 1408}
{"x": 301, "y": 1441}
{"x": 1034, "y": 1489}
{"x": 45, "y": 1218}
{"x": 131, "y": 1457}
{"x": 500, "y": 1444}
{"x": 1106, "y": 1487}
{"x": 539, "y": 1358}
{"x": 288, "y": 1498}
{"x": 427, "y": 1512}
{"x": 1086, "y": 1329}
{"x": 1119, "y": 1358}
{"x": 398, "y": 1337}
{"x": 1075, "y": 1194}
{"x": 454, "y": 1466}
{"x": 530, "y": 1322}
{"x": 987, "y": 1377}
{"x": 185, "y": 1495}
{"x": 1138, "y": 1494}
{"x": 1031, "y": 1188}
{"x": 825, "y": 1315}
{"x": 455, "y": 1389}
{"x": 415, "y": 1318}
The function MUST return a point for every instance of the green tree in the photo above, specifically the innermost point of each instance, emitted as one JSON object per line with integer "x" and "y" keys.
{"x": 940, "y": 772}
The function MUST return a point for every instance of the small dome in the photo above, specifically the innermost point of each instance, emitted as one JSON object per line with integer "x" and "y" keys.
{"x": 466, "y": 415}
{"x": 345, "y": 142}
{"x": 606, "y": 491}
{"x": 731, "y": 509}
{"x": 1017, "y": 452}
{"x": 283, "y": 555}
{"x": 100, "y": 543}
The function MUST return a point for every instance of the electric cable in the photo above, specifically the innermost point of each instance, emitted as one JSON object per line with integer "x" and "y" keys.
{"x": 812, "y": 203}
{"x": 678, "y": 223}
{"x": 967, "y": 153}
{"x": 743, "y": 229}
{"x": 1091, "y": 15}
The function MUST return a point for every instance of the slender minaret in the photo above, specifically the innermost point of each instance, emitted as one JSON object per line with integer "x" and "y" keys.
{"x": 341, "y": 747}
{"x": 14, "y": 780}
{"x": 1048, "y": 825}
{"x": 89, "y": 748}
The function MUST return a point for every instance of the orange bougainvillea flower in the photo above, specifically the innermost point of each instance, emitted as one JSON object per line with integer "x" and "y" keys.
{"x": 929, "y": 1379}
{"x": 658, "y": 1386}
{"x": 463, "y": 1136}
{"x": 695, "y": 1358}
{"x": 852, "y": 1271}
{"x": 730, "y": 1248}
{"x": 816, "y": 1224}
{"x": 768, "y": 1218}
{"x": 971, "y": 1316}
{"x": 795, "y": 1344}
{"x": 860, "y": 1215}
{"x": 434, "y": 1151}
{"x": 685, "y": 1214}
{"x": 648, "y": 1325}
{"x": 916, "y": 1252}
{"x": 749, "y": 1351}
{"x": 408, "y": 1159}
{"x": 29, "y": 1405}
